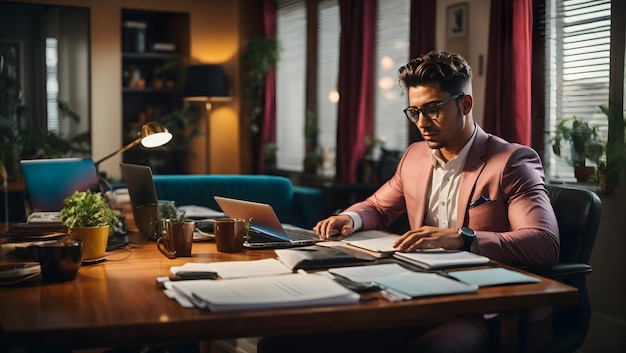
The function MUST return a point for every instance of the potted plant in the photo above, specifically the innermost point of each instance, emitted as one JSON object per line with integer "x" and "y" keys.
{"x": 167, "y": 74}
{"x": 88, "y": 216}
{"x": 584, "y": 144}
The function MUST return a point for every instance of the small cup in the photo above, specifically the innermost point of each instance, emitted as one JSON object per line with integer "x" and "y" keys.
{"x": 178, "y": 238}
{"x": 59, "y": 260}
{"x": 229, "y": 234}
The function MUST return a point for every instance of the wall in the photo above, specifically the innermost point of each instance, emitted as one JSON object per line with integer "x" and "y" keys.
{"x": 473, "y": 46}
{"x": 214, "y": 38}
{"x": 607, "y": 283}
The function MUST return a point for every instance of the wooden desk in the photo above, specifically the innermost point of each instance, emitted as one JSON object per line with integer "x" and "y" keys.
{"x": 116, "y": 302}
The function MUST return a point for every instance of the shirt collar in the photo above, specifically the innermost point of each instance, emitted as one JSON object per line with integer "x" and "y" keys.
{"x": 460, "y": 158}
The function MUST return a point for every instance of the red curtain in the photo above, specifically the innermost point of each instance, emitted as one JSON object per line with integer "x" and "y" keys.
{"x": 355, "y": 118}
{"x": 422, "y": 40}
{"x": 268, "y": 123}
{"x": 508, "y": 84}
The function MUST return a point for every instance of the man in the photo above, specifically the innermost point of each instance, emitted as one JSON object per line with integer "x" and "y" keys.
{"x": 462, "y": 189}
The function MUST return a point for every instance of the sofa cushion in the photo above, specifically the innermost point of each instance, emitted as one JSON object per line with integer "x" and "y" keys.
{"x": 199, "y": 189}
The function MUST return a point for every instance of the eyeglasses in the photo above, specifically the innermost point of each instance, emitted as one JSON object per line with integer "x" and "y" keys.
{"x": 429, "y": 110}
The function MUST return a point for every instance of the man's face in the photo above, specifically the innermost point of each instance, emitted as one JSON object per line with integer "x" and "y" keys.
{"x": 446, "y": 130}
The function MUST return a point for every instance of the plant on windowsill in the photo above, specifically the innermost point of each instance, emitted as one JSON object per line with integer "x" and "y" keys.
{"x": 613, "y": 169}
{"x": 584, "y": 143}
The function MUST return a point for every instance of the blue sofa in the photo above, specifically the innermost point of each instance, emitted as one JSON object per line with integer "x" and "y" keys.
{"x": 297, "y": 205}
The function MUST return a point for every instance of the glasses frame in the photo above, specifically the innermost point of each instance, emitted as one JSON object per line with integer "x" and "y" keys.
{"x": 414, "y": 118}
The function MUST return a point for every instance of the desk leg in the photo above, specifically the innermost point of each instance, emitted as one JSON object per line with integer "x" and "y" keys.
{"x": 514, "y": 332}
{"x": 508, "y": 332}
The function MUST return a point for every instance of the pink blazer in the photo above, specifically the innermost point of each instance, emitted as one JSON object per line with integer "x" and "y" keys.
{"x": 517, "y": 227}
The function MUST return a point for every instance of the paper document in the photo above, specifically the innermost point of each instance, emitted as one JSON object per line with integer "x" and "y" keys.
{"x": 421, "y": 284}
{"x": 367, "y": 274}
{"x": 237, "y": 269}
{"x": 433, "y": 260}
{"x": 308, "y": 257}
{"x": 492, "y": 277}
{"x": 45, "y": 218}
{"x": 373, "y": 241}
{"x": 258, "y": 293}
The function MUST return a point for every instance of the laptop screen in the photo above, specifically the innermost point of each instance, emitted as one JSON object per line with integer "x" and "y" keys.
{"x": 50, "y": 181}
{"x": 143, "y": 197}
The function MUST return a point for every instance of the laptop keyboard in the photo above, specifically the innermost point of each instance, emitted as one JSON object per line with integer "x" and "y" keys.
{"x": 300, "y": 234}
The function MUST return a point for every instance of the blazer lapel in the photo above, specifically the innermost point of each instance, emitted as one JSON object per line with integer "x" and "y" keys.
{"x": 474, "y": 165}
{"x": 422, "y": 187}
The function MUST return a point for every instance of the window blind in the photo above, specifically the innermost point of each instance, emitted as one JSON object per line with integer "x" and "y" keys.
{"x": 290, "y": 84}
{"x": 392, "y": 51}
{"x": 577, "y": 71}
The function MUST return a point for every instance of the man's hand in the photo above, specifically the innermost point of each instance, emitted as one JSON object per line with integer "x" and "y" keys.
{"x": 428, "y": 237}
{"x": 340, "y": 226}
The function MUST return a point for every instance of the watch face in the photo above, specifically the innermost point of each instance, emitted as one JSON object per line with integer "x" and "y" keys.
{"x": 467, "y": 232}
{"x": 468, "y": 236}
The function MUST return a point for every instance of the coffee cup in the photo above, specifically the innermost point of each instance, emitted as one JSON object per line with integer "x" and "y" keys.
{"x": 230, "y": 233}
{"x": 178, "y": 238}
{"x": 59, "y": 260}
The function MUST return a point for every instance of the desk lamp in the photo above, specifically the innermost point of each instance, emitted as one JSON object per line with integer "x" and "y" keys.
{"x": 152, "y": 135}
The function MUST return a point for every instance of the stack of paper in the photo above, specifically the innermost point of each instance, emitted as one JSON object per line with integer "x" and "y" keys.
{"x": 309, "y": 257}
{"x": 237, "y": 269}
{"x": 438, "y": 259}
{"x": 259, "y": 293}
{"x": 367, "y": 274}
{"x": 373, "y": 242}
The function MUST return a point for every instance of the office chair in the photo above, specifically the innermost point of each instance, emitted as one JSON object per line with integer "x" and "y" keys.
{"x": 578, "y": 212}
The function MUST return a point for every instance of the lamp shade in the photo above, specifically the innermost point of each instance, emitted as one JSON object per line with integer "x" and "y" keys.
{"x": 206, "y": 82}
{"x": 154, "y": 135}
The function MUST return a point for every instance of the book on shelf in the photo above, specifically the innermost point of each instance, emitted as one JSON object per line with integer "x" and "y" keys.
{"x": 373, "y": 242}
{"x": 262, "y": 293}
{"x": 440, "y": 259}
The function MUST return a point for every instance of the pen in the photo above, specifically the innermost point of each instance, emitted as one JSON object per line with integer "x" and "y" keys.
{"x": 187, "y": 275}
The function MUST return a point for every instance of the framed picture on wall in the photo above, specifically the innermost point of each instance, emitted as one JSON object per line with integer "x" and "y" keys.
{"x": 456, "y": 20}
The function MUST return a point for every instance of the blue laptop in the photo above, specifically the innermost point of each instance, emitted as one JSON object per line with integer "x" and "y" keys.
{"x": 50, "y": 181}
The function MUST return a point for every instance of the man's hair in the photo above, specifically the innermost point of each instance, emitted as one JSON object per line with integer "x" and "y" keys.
{"x": 450, "y": 70}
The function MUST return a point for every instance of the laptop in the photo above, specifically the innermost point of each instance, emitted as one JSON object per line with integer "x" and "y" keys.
{"x": 143, "y": 197}
{"x": 266, "y": 229}
{"x": 50, "y": 181}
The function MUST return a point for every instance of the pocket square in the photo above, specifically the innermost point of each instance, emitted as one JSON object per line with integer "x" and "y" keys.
{"x": 479, "y": 201}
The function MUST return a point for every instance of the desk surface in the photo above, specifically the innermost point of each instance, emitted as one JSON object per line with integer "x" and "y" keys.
{"x": 116, "y": 302}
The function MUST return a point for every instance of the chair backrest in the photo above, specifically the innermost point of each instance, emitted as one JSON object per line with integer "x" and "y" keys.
{"x": 578, "y": 212}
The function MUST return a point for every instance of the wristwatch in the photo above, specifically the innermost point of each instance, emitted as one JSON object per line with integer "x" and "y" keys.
{"x": 468, "y": 236}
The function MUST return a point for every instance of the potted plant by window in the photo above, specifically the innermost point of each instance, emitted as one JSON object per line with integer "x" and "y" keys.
{"x": 584, "y": 144}
{"x": 87, "y": 216}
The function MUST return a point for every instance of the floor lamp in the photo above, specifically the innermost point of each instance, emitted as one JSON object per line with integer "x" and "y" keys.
{"x": 206, "y": 83}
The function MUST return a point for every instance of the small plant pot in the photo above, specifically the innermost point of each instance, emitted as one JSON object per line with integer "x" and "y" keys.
{"x": 94, "y": 240}
{"x": 583, "y": 173}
